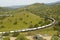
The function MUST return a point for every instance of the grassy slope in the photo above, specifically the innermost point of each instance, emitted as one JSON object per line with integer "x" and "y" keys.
{"x": 39, "y": 9}
{"x": 45, "y": 10}
{"x": 8, "y": 22}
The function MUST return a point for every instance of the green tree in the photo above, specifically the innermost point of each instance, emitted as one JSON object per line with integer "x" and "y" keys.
{"x": 15, "y": 34}
{"x": 21, "y": 37}
{"x": 31, "y": 26}
{"x": 7, "y": 38}
{"x": 55, "y": 38}
{"x": 36, "y": 25}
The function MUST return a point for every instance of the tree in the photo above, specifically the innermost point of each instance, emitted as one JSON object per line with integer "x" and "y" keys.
{"x": 31, "y": 26}
{"x": 5, "y": 34}
{"x": 27, "y": 15}
{"x": 36, "y": 25}
{"x": 1, "y": 26}
{"x": 15, "y": 23}
{"x": 24, "y": 22}
{"x": 21, "y": 37}
{"x": 55, "y": 38}
{"x": 57, "y": 26}
{"x": 7, "y": 38}
{"x": 21, "y": 19}
{"x": 15, "y": 34}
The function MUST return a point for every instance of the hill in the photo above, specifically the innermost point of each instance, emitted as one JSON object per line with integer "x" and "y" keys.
{"x": 20, "y": 20}
{"x": 42, "y": 10}
{"x": 23, "y": 17}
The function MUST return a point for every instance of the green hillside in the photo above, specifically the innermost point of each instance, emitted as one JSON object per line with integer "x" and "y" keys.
{"x": 20, "y": 20}
{"x": 30, "y": 16}
{"x": 52, "y": 11}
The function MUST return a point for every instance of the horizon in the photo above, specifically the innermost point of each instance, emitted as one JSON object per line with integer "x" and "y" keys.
{"x": 7, "y": 3}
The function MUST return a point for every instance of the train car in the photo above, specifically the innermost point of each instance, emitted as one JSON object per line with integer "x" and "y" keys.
{"x": 39, "y": 27}
{"x": 43, "y": 26}
{"x": 50, "y": 24}
{"x": 34, "y": 28}
{"x": 19, "y": 30}
{"x": 3, "y": 32}
{"x": 0, "y": 32}
{"x": 28, "y": 29}
{"x": 46, "y": 25}
{"x": 23, "y": 30}
{"x": 11, "y": 31}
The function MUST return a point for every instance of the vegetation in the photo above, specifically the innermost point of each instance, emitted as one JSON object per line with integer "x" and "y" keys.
{"x": 19, "y": 21}
{"x": 31, "y": 16}
{"x": 21, "y": 37}
{"x": 6, "y": 38}
{"x": 15, "y": 34}
{"x": 55, "y": 38}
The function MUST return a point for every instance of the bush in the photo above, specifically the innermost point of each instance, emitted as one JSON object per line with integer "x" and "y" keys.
{"x": 7, "y": 38}
{"x": 27, "y": 15}
{"x": 36, "y": 25}
{"x": 5, "y": 34}
{"x": 21, "y": 19}
{"x": 1, "y": 26}
{"x": 15, "y": 34}
{"x": 21, "y": 37}
{"x": 24, "y": 22}
{"x": 31, "y": 26}
{"x": 55, "y": 38}
{"x": 40, "y": 22}
{"x": 15, "y": 23}
{"x": 31, "y": 22}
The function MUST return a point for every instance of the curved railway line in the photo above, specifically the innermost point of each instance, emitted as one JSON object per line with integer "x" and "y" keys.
{"x": 31, "y": 29}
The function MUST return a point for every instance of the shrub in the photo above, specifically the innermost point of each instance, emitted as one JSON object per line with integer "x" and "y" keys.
{"x": 15, "y": 23}
{"x": 31, "y": 26}
{"x": 24, "y": 22}
{"x": 7, "y": 38}
{"x": 40, "y": 22}
{"x": 27, "y": 15}
{"x": 36, "y": 25}
{"x": 15, "y": 34}
{"x": 21, "y": 37}
{"x": 21, "y": 19}
{"x": 1, "y": 26}
{"x": 31, "y": 22}
{"x": 55, "y": 38}
{"x": 5, "y": 34}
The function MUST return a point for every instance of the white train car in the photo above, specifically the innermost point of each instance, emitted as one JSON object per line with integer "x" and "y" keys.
{"x": 34, "y": 28}
{"x": 43, "y": 26}
{"x": 23, "y": 30}
{"x": 46, "y": 25}
{"x": 28, "y": 29}
{"x": 19, "y": 30}
{"x": 50, "y": 24}
{"x": 16, "y": 31}
{"x": 0, "y": 32}
{"x": 11, "y": 31}
{"x": 3, "y": 32}
{"x": 39, "y": 27}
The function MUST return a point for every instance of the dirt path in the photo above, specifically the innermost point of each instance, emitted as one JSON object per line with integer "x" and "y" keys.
{"x": 45, "y": 37}
{"x": 12, "y": 38}
{"x": 30, "y": 37}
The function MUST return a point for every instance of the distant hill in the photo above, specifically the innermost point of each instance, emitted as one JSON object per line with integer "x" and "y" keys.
{"x": 16, "y": 6}
{"x": 58, "y": 2}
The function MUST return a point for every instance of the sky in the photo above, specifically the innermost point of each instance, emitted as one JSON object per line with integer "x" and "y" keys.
{"x": 23, "y": 2}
